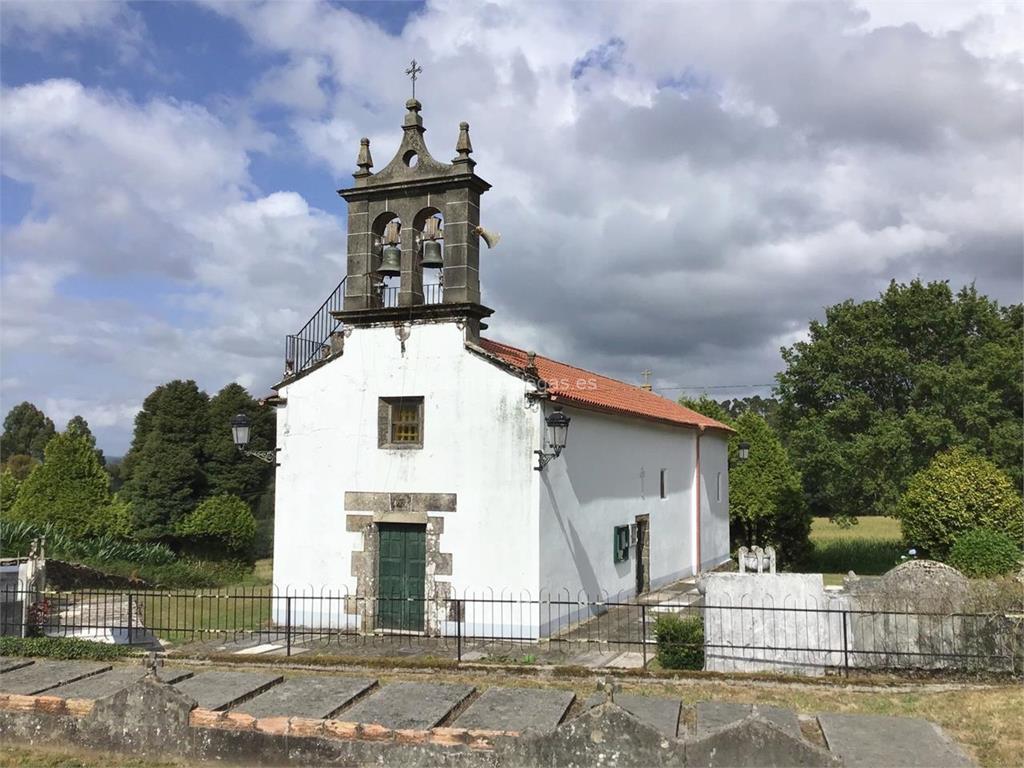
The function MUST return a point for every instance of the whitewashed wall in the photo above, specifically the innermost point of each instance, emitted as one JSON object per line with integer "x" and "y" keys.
{"x": 478, "y": 438}
{"x": 596, "y": 485}
{"x": 714, "y": 526}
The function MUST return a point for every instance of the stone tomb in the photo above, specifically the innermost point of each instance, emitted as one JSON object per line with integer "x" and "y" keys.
{"x": 712, "y": 715}
{"x": 37, "y": 678}
{"x": 516, "y": 709}
{"x": 661, "y": 714}
{"x": 219, "y": 690}
{"x": 108, "y": 683}
{"x": 10, "y": 664}
{"x": 409, "y": 705}
{"x": 313, "y": 697}
{"x": 867, "y": 741}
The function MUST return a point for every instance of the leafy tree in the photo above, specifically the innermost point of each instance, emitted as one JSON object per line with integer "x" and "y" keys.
{"x": 9, "y": 488}
{"x": 766, "y": 503}
{"x": 227, "y": 469}
{"x": 70, "y": 489}
{"x": 162, "y": 470}
{"x": 765, "y": 407}
{"x": 27, "y": 430}
{"x": 882, "y": 386}
{"x": 221, "y": 524}
{"x": 706, "y": 406}
{"x": 79, "y": 426}
{"x": 21, "y": 465}
{"x": 958, "y": 492}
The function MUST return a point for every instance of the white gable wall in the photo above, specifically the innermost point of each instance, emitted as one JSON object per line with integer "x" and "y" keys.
{"x": 478, "y": 441}
{"x": 596, "y": 484}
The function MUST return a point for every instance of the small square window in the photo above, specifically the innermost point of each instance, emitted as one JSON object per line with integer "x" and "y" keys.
{"x": 664, "y": 485}
{"x": 400, "y": 422}
{"x": 620, "y": 543}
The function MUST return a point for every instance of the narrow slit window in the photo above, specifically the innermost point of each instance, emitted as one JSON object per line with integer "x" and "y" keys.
{"x": 664, "y": 485}
{"x": 718, "y": 488}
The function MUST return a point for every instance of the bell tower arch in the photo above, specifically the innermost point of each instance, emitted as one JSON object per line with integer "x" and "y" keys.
{"x": 437, "y": 209}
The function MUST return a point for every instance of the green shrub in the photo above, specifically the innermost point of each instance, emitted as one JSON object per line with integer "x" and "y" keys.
{"x": 220, "y": 525}
{"x": 62, "y": 648}
{"x": 957, "y": 492}
{"x": 983, "y": 553}
{"x": 113, "y": 520}
{"x": 680, "y": 641}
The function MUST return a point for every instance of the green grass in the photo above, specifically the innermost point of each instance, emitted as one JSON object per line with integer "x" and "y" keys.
{"x": 869, "y": 548}
{"x": 193, "y": 615}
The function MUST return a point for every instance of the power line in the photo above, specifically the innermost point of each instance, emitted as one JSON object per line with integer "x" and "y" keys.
{"x": 717, "y": 386}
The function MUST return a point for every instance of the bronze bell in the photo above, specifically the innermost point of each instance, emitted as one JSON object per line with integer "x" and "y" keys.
{"x": 432, "y": 255}
{"x": 391, "y": 265}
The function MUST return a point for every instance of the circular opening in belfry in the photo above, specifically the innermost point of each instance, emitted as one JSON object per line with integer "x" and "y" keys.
{"x": 410, "y": 158}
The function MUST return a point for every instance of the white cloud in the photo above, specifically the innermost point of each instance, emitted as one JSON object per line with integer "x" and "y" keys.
{"x": 687, "y": 202}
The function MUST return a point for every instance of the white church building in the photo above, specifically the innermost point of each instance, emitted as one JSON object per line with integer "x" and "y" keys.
{"x": 423, "y": 461}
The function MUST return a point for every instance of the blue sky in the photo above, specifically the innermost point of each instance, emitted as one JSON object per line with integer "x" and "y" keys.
{"x": 675, "y": 191}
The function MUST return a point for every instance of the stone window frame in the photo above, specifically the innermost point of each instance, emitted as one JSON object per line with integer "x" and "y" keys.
{"x": 385, "y": 407}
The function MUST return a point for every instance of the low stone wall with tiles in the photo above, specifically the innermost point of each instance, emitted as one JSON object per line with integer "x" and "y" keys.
{"x": 154, "y": 719}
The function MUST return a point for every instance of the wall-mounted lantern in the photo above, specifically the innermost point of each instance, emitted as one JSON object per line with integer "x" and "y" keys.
{"x": 240, "y": 431}
{"x": 557, "y": 434}
{"x": 744, "y": 450}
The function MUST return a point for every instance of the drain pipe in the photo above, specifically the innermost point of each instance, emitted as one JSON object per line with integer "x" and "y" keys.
{"x": 696, "y": 527}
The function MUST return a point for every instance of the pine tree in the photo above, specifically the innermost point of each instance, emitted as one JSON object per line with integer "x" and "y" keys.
{"x": 70, "y": 489}
{"x": 162, "y": 470}
{"x": 227, "y": 469}
{"x": 27, "y": 430}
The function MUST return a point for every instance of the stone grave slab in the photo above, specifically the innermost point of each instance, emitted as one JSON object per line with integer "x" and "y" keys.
{"x": 220, "y": 689}
{"x": 516, "y": 709}
{"x": 712, "y": 715}
{"x": 409, "y": 705}
{"x": 8, "y": 664}
{"x": 108, "y": 683}
{"x": 44, "y": 675}
{"x": 657, "y": 712}
{"x": 899, "y": 742}
{"x": 313, "y": 697}
{"x": 258, "y": 649}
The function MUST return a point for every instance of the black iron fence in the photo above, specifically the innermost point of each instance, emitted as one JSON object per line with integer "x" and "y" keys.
{"x": 555, "y": 628}
{"x": 311, "y": 343}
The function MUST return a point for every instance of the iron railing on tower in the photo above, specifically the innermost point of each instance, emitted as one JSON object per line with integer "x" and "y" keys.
{"x": 311, "y": 343}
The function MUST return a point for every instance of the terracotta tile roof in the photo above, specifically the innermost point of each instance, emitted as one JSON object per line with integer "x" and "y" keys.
{"x": 586, "y": 389}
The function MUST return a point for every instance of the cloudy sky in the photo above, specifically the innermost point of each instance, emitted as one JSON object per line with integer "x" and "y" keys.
{"x": 679, "y": 186}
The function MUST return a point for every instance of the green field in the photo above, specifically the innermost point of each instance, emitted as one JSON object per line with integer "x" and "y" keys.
{"x": 870, "y": 547}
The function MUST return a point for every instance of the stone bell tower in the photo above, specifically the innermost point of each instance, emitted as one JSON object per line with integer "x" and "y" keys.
{"x": 415, "y": 216}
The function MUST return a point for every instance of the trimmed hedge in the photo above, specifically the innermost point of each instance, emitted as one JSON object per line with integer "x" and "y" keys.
{"x": 63, "y": 648}
{"x": 680, "y": 642}
{"x": 983, "y": 553}
{"x": 222, "y": 525}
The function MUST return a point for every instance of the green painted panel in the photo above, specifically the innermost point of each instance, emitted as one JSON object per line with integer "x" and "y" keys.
{"x": 401, "y": 576}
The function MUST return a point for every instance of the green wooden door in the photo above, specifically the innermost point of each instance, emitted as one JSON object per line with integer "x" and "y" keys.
{"x": 401, "y": 571}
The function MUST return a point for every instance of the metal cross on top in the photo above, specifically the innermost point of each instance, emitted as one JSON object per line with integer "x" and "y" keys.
{"x": 413, "y": 70}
